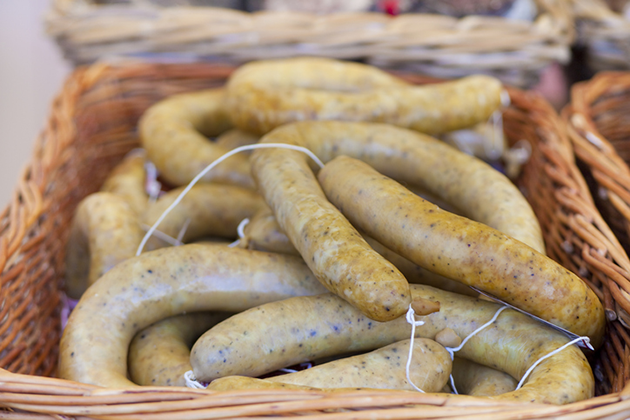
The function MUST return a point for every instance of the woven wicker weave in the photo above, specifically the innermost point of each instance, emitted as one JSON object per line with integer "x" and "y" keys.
{"x": 605, "y": 34}
{"x": 599, "y": 127}
{"x": 515, "y": 51}
{"x": 92, "y": 125}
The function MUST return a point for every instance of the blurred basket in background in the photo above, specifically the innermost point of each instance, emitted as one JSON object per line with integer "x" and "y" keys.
{"x": 604, "y": 32}
{"x": 516, "y": 51}
{"x": 91, "y": 127}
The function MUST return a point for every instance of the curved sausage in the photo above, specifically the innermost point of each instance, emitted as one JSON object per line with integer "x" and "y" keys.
{"x": 462, "y": 249}
{"x": 159, "y": 355}
{"x": 173, "y": 132}
{"x": 104, "y": 232}
{"x": 312, "y": 327}
{"x": 266, "y": 94}
{"x": 166, "y": 282}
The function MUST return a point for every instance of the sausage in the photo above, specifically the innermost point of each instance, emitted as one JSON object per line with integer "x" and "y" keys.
{"x": 310, "y": 328}
{"x": 481, "y": 381}
{"x": 231, "y": 383}
{"x": 263, "y": 233}
{"x": 234, "y": 138}
{"x": 159, "y": 355}
{"x": 166, "y": 282}
{"x": 207, "y": 209}
{"x": 462, "y": 249}
{"x": 266, "y": 94}
{"x": 104, "y": 232}
{"x": 445, "y": 172}
{"x": 382, "y": 368}
{"x": 332, "y": 248}
{"x": 127, "y": 180}
{"x": 173, "y": 132}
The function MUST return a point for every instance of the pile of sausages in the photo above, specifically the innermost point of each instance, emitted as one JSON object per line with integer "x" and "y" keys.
{"x": 332, "y": 258}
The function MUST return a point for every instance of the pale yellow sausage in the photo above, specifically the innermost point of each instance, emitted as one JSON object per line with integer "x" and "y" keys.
{"x": 104, "y": 232}
{"x": 313, "y": 327}
{"x": 462, "y": 249}
{"x": 163, "y": 283}
{"x": 207, "y": 209}
{"x": 159, "y": 355}
{"x": 173, "y": 132}
{"x": 266, "y": 94}
{"x": 382, "y": 368}
{"x": 481, "y": 381}
{"x": 127, "y": 181}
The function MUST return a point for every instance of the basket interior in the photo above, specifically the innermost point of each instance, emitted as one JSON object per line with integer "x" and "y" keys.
{"x": 93, "y": 125}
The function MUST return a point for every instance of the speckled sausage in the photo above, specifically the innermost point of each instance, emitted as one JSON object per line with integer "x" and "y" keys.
{"x": 309, "y": 328}
{"x": 127, "y": 180}
{"x": 481, "y": 381}
{"x": 104, "y": 231}
{"x": 332, "y": 248}
{"x": 173, "y": 132}
{"x": 160, "y": 354}
{"x": 383, "y": 368}
{"x": 462, "y": 249}
{"x": 266, "y": 94}
{"x": 263, "y": 233}
{"x": 163, "y": 283}
{"x": 412, "y": 159}
{"x": 207, "y": 209}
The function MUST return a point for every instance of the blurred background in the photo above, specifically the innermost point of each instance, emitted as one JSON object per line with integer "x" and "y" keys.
{"x": 31, "y": 73}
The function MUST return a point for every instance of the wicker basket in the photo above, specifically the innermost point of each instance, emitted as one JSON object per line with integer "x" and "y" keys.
{"x": 92, "y": 125}
{"x": 515, "y": 51}
{"x": 604, "y": 33}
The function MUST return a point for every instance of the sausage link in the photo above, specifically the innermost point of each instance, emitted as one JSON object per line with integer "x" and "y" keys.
{"x": 266, "y": 94}
{"x": 462, "y": 249}
{"x": 382, "y": 368}
{"x": 166, "y": 282}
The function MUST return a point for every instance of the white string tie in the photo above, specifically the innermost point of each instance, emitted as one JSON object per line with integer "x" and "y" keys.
{"x": 241, "y": 232}
{"x": 152, "y": 186}
{"x": 208, "y": 168}
{"x": 191, "y": 381}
